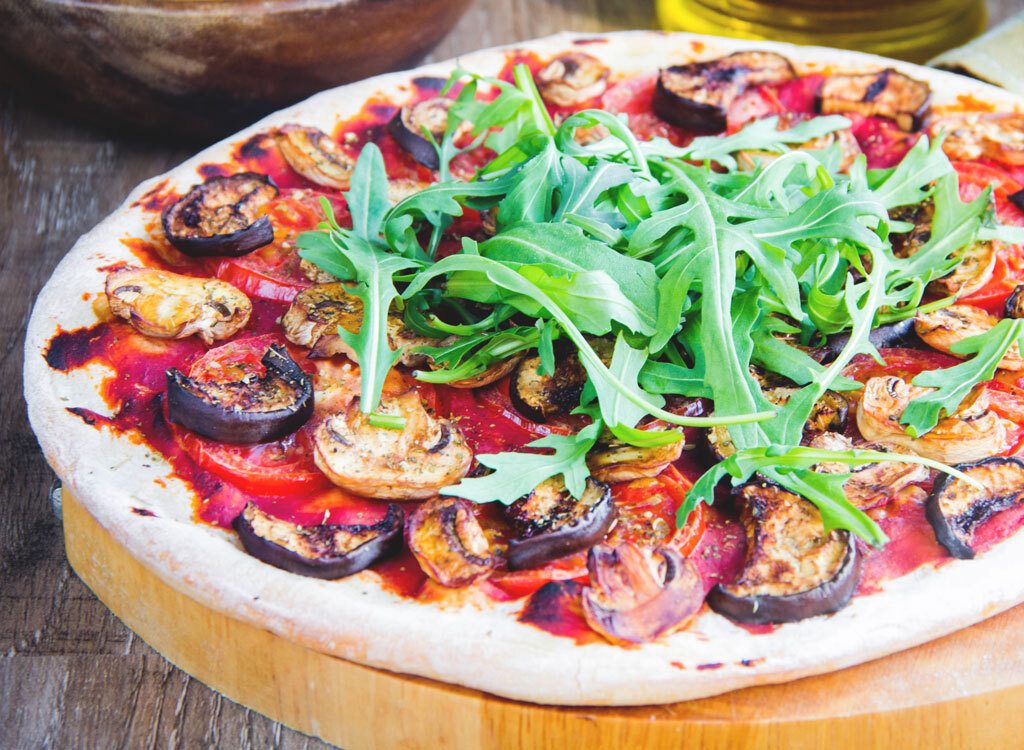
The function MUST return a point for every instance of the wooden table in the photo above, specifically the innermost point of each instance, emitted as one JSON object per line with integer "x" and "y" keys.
{"x": 71, "y": 674}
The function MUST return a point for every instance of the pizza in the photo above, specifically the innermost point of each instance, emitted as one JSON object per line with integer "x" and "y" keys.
{"x": 604, "y": 370}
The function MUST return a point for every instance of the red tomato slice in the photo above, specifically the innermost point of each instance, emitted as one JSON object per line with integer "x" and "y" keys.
{"x": 519, "y": 583}
{"x": 647, "y": 512}
{"x": 882, "y": 142}
{"x": 283, "y": 467}
{"x": 902, "y": 363}
{"x": 992, "y": 296}
{"x": 799, "y": 95}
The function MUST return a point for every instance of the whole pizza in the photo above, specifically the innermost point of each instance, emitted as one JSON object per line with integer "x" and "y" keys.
{"x": 611, "y": 369}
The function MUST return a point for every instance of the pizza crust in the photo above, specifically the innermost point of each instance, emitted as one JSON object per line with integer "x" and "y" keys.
{"x": 483, "y": 648}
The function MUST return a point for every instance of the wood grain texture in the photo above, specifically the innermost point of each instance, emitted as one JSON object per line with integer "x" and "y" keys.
{"x": 71, "y": 674}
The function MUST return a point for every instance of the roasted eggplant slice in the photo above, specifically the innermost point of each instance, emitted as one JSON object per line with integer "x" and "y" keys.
{"x": 315, "y": 155}
{"x": 636, "y": 599}
{"x": 612, "y": 461}
{"x": 828, "y": 414}
{"x": 316, "y": 313}
{"x": 905, "y": 244}
{"x": 973, "y": 136}
{"x": 221, "y": 216}
{"x": 321, "y": 551}
{"x": 552, "y": 523}
{"x": 972, "y": 433}
{"x": 448, "y": 542}
{"x": 168, "y": 305}
{"x": 411, "y": 463}
{"x": 794, "y": 569}
{"x": 572, "y": 79}
{"x": 540, "y": 397}
{"x": 941, "y": 329}
{"x": 955, "y": 509}
{"x": 888, "y": 94}
{"x": 697, "y": 96}
{"x": 898, "y": 334}
{"x": 1014, "y": 307}
{"x": 254, "y": 410}
{"x": 872, "y": 483}
{"x": 408, "y": 124}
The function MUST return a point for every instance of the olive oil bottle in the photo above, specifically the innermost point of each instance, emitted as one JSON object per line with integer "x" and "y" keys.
{"x": 914, "y": 30}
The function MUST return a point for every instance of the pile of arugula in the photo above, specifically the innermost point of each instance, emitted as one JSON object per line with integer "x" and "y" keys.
{"x": 696, "y": 270}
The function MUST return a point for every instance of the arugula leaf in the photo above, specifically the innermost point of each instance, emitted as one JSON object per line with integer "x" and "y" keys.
{"x": 517, "y": 474}
{"x": 907, "y": 183}
{"x": 472, "y": 355}
{"x": 953, "y": 384}
{"x": 368, "y": 195}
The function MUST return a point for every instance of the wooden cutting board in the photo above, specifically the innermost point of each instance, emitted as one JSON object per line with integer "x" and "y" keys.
{"x": 964, "y": 690}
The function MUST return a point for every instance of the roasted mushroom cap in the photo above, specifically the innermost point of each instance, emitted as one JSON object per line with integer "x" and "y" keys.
{"x": 871, "y": 483}
{"x": 408, "y": 124}
{"x": 636, "y": 599}
{"x": 221, "y": 216}
{"x": 941, "y": 329}
{"x": 975, "y": 135}
{"x": 168, "y": 305}
{"x": 253, "y": 410}
{"x": 540, "y": 397}
{"x": 315, "y": 155}
{"x": 572, "y": 79}
{"x": 552, "y": 523}
{"x": 448, "y": 542}
{"x": 697, "y": 96}
{"x": 1014, "y": 307}
{"x": 849, "y": 148}
{"x": 972, "y": 433}
{"x": 888, "y": 94}
{"x": 955, "y": 509}
{"x": 316, "y": 313}
{"x": 794, "y": 568}
{"x": 612, "y": 460}
{"x": 411, "y": 463}
{"x": 321, "y": 551}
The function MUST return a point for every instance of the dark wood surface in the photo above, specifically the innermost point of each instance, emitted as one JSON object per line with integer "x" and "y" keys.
{"x": 71, "y": 675}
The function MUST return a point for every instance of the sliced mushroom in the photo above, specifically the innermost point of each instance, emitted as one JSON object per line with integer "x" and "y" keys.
{"x": 448, "y": 542}
{"x": 411, "y": 463}
{"x": 315, "y": 155}
{"x": 941, "y": 329}
{"x": 977, "y": 260}
{"x": 870, "y": 483}
{"x": 975, "y": 135}
{"x": 697, "y": 96}
{"x": 540, "y": 397}
{"x": 794, "y": 568}
{"x": 572, "y": 79}
{"x": 552, "y": 523}
{"x": 253, "y": 410}
{"x": 888, "y": 93}
{"x": 1014, "y": 307}
{"x": 633, "y": 598}
{"x": 612, "y": 460}
{"x": 321, "y": 551}
{"x": 973, "y": 432}
{"x": 316, "y": 314}
{"x": 849, "y": 148}
{"x": 955, "y": 509}
{"x": 408, "y": 124}
{"x": 221, "y": 216}
{"x": 168, "y": 305}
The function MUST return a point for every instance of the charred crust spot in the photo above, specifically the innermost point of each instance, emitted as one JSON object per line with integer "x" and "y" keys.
{"x": 143, "y": 512}
{"x": 69, "y": 350}
{"x": 429, "y": 83}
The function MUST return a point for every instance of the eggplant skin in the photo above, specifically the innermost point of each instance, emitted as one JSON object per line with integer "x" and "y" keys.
{"x": 195, "y": 224}
{"x": 955, "y": 509}
{"x": 696, "y": 96}
{"x": 570, "y": 526}
{"x": 404, "y": 128}
{"x": 783, "y": 525}
{"x": 328, "y": 551}
{"x": 197, "y": 406}
{"x": 538, "y": 396}
{"x": 1014, "y": 307}
{"x": 888, "y": 336}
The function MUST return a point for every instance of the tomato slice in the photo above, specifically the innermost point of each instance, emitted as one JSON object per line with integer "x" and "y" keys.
{"x": 882, "y": 142}
{"x": 992, "y": 296}
{"x": 902, "y": 363}
{"x": 519, "y": 583}
{"x": 282, "y": 467}
{"x": 647, "y": 513}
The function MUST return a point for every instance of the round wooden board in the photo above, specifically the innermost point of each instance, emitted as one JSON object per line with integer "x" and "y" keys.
{"x": 964, "y": 690}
